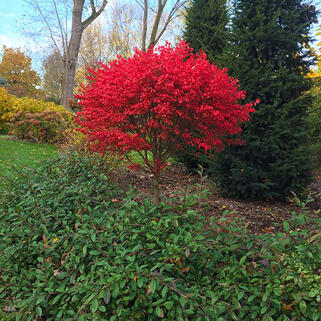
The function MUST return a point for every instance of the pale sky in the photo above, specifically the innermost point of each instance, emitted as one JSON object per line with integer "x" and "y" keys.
{"x": 11, "y": 12}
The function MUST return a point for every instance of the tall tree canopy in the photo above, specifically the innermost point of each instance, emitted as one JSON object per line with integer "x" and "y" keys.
{"x": 206, "y": 26}
{"x": 21, "y": 79}
{"x": 270, "y": 57}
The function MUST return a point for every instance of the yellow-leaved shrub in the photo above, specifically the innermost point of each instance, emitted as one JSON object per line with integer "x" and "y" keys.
{"x": 6, "y": 103}
{"x": 10, "y": 105}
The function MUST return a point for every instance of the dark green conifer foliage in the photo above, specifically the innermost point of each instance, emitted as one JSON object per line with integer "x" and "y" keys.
{"x": 206, "y": 27}
{"x": 270, "y": 57}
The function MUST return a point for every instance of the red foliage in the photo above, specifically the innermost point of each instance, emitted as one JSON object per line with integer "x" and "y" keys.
{"x": 156, "y": 100}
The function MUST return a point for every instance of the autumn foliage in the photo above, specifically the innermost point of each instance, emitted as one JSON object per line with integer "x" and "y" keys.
{"x": 156, "y": 100}
{"x": 16, "y": 68}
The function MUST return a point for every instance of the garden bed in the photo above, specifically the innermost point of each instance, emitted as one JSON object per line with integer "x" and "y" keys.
{"x": 257, "y": 215}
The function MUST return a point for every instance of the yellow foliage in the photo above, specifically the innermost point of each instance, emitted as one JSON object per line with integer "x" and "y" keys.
{"x": 315, "y": 74}
{"x": 15, "y": 68}
{"x": 10, "y": 105}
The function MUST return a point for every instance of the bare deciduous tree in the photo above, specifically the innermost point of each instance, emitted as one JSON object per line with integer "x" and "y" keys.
{"x": 162, "y": 13}
{"x": 142, "y": 23}
{"x": 124, "y": 34}
{"x": 54, "y": 16}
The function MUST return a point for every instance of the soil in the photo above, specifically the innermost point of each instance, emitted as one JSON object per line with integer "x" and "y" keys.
{"x": 257, "y": 215}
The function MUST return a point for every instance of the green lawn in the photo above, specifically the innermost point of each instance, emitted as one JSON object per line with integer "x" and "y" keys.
{"x": 15, "y": 155}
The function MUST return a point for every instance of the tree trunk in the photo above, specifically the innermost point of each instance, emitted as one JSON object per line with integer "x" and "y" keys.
{"x": 71, "y": 55}
{"x": 156, "y": 189}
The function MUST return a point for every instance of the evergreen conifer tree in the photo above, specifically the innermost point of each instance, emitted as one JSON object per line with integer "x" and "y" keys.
{"x": 206, "y": 27}
{"x": 270, "y": 57}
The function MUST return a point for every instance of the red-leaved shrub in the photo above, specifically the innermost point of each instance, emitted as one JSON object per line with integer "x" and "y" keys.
{"x": 156, "y": 100}
{"x": 43, "y": 127}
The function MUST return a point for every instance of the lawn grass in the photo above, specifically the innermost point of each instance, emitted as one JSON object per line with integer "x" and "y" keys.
{"x": 15, "y": 155}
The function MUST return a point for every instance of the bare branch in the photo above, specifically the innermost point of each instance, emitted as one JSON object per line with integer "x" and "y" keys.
{"x": 139, "y": 4}
{"x": 144, "y": 35}
{"x": 94, "y": 14}
{"x": 161, "y": 6}
{"x": 66, "y": 21}
{"x": 62, "y": 33}
{"x": 35, "y": 4}
{"x": 93, "y": 7}
{"x": 170, "y": 18}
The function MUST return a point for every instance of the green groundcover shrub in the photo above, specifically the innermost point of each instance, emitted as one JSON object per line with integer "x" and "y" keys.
{"x": 75, "y": 247}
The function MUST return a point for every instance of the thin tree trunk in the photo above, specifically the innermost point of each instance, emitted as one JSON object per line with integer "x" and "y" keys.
{"x": 145, "y": 25}
{"x": 159, "y": 14}
{"x": 156, "y": 189}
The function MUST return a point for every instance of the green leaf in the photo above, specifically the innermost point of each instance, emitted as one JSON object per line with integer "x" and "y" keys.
{"x": 159, "y": 312}
{"x": 242, "y": 260}
{"x": 188, "y": 312}
{"x": 286, "y": 226}
{"x": 303, "y": 306}
{"x": 55, "y": 299}
{"x": 102, "y": 308}
{"x": 61, "y": 275}
{"x": 94, "y": 252}
{"x": 84, "y": 250}
{"x": 140, "y": 282}
{"x": 40, "y": 299}
{"x": 39, "y": 311}
{"x": 115, "y": 290}
{"x": 234, "y": 317}
{"x": 107, "y": 296}
{"x": 164, "y": 291}
{"x": 265, "y": 296}
{"x": 168, "y": 304}
{"x": 94, "y": 305}
{"x": 182, "y": 301}
{"x": 251, "y": 298}
{"x": 240, "y": 295}
{"x": 153, "y": 285}
{"x": 264, "y": 309}
{"x": 90, "y": 298}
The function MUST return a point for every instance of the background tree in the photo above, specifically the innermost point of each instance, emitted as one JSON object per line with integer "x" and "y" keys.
{"x": 206, "y": 27}
{"x": 54, "y": 17}
{"x": 157, "y": 16}
{"x": 53, "y": 68}
{"x": 270, "y": 57}
{"x": 125, "y": 32}
{"x": 15, "y": 68}
{"x": 141, "y": 24}
{"x": 94, "y": 48}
